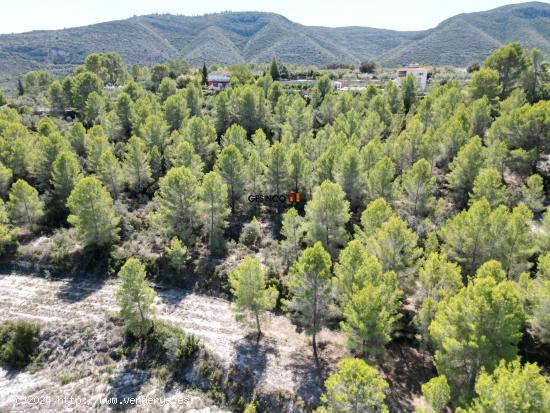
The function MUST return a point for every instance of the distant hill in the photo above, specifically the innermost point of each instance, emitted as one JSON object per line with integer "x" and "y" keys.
{"x": 228, "y": 38}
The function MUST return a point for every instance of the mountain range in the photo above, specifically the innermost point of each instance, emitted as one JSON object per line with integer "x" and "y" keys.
{"x": 243, "y": 37}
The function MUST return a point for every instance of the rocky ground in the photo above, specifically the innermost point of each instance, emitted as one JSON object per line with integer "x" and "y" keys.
{"x": 80, "y": 345}
{"x": 81, "y": 352}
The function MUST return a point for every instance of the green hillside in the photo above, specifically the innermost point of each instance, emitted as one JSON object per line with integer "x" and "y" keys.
{"x": 228, "y": 38}
{"x": 470, "y": 37}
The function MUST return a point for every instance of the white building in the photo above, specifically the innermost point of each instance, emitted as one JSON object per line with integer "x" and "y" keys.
{"x": 420, "y": 73}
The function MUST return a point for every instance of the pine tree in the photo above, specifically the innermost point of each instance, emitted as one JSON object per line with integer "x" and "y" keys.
{"x": 49, "y": 147}
{"x": 291, "y": 229}
{"x": 6, "y": 176}
{"x": 354, "y": 388}
{"x": 274, "y": 69}
{"x": 417, "y": 187}
{"x": 204, "y": 79}
{"x": 485, "y": 83}
{"x": 8, "y": 234}
{"x": 351, "y": 271}
{"x": 464, "y": 168}
{"x": 93, "y": 213}
{"x": 223, "y": 115}
{"x": 511, "y": 387}
{"x": 510, "y": 63}
{"x": 177, "y": 254}
{"x": 166, "y": 88}
{"x": 156, "y": 162}
{"x": 182, "y": 153}
{"x": 252, "y": 296}
{"x": 327, "y": 214}
{"x": 200, "y": 133}
{"x": 214, "y": 209}
{"x": 135, "y": 299}
{"x": 370, "y": 316}
{"x": 297, "y": 165}
{"x": 437, "y": 393}
{"x": 177, "y": 206}
{"x": 230, "y": 166}
{"x": 438, "y": 279}
{"x": 136, "y": 165}
{"x": 480, "y": 234}
{"x": 124, "y": 112}
{"x": 310, "y": 287}
{"x": 277, "y": 168}
{"x": 299, "y": 118}
{"x": 65, "y": 174}
{"x": 514, "y": 243}
{"x": 154, "y": 132}
{"x": 409, "y": 87}
{"x": 480, "y": 117}
{"x": 236, "y": 135}
{"x": 76, "y": 135}
{"x": 488, "y": 184}
{"x": 540, "y": 315}
{"x": 175, "y": 111}
{"x": 379, "y": 180}
{"x": 377, "y": 213}
{"x": 110, "y": 173}
{"x": 255, "y": 170}
{"x": 193, "y": 98}
{"x": 475, "y": 329}
{"x": 24, "y": 206}
{"x": 532, "y": 193}
{"x": 396, "y": 246}
{"x": 96, "y": 143}
{"x": 248, "y": 109}
{"x": 55, "y": 97}
{"x": 94, "y": 109}
{"x": 83, "y": 85}
{"x": 466, "y": 236}
{"x": 348, "y": 174}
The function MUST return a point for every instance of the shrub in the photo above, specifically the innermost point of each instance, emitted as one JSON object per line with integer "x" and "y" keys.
{"x": 178, "y": 348}
{"x": 177, "y": 255}
{"x": 367, "y": 66}
{"x": 251, "y": 233}
{"x": 474, "y": 67}
{"x": 18, "y": 343}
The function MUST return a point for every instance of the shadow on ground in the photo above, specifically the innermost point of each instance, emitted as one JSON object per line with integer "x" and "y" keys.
{"x": 126, "y": 384}
{"x": 80, "y": 287}
{"x": 406, "y": 369}
{"x": 253, "y": 353}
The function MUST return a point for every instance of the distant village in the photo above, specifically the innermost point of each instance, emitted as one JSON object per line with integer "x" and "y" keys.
{"x": 218, "y": 80}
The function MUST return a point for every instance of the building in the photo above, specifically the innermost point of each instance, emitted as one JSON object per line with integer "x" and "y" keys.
{"x": 353, "y": 85}
{"x": 420, "y": 73}
{"x": 218, "y": 80}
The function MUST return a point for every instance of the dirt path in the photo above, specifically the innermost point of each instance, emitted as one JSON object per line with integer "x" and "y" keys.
{"x": 280, "y": 363}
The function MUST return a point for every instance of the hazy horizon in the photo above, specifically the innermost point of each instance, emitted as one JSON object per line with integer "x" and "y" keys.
{"x": 391, "y": 14}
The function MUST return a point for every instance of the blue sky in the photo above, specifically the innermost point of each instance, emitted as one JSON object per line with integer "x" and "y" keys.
{"x": 24, "y": 15}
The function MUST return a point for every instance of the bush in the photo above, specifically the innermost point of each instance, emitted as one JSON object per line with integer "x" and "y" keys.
{"x": 177, "y": 255}
{"x": 474, "y": 67}
{"x": 18, "y": 343}
{"x": 170, "y": 341}
{"x": 62, "y": 246}
{"x": 3, "y": 98}
{"x": 251, "y": 233}
{"x": 368, "y": 66}
{"x": 337, "y": 65}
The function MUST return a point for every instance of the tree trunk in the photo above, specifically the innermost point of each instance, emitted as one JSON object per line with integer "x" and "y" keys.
{"x": 258, "y": 325}
{"x": 315, "y": 354}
